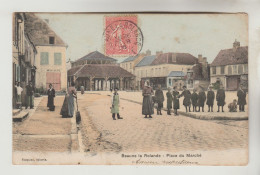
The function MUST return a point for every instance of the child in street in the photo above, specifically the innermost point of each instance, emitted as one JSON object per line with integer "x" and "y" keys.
{"x": 194, "y": 100}
{"x": 169, "y": 101}
{"x": 233, "y": 106}
{"x": 176, "y": 101}
{"x": 115, "y": 105}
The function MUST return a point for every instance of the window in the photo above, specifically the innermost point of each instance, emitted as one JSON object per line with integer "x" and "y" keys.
{"x": 51, "y": 40}
{"x": 229, "y": 70}
{"x": 57, "y": 58}
{"x": 234, "y": 69}
{"x": 240, "y": 69}
{"x": 170, "y": 82}
{"x": 214, "y": 70}
{"x": 151, "y": 72}
{"x": 245, "y": 68}
{"x": 44, "y": 58}
{"x": 222, "y": 69}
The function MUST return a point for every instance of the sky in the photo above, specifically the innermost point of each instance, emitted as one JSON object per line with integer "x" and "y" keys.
{"x": 204, "y": 34}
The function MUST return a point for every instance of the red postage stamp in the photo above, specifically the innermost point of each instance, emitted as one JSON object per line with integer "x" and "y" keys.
{"x": 122, "y": 36}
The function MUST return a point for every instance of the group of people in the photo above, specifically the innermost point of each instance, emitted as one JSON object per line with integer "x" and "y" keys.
{"x": 29, "y": 96}
{"x": 196, "y": 100}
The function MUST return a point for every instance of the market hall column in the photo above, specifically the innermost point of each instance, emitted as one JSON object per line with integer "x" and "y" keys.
{"x": 106, "y": 79}
{"x": 121, "y": 83}
{"x": 91, "y": 83}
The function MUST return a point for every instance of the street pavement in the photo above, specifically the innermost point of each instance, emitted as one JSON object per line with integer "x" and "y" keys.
{"x": 161, "y": 133}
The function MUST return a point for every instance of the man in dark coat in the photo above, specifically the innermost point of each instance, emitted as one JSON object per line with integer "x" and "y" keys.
{"x": 210, "y": 99}
{"x": 220, "y": 97}
{"x": 169, "y": 101}
{"x": 201, "y": 99}
{"x": 29, "y": 96}
{"x": 187, "y": 97}
{"x": 176, "y": 101}
{"x": 194, "y": 100}
{"x": 159, "y": 99}
{"x": 241, "y": 94}
{"x": 51, "y": 95}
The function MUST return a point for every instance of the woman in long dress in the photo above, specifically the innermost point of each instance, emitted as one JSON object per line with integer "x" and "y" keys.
{"x": 147, "y": 107}
{"x": 51, "y": 95}
{"x": 67, "y": 109}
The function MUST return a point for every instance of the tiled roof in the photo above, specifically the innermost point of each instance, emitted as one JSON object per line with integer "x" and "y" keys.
{"x": 231, "y": 56}
{"x": 176, "y": 74}
{"x": 181, "y": 58}
{"x": 146, "y": 61}
{"x": 96, "y": 56}
{"x": 100, "y": 71}
{"x": 132, "y": 58}
{"x": 39, "y": 31}
{"x": 74, "y": 70}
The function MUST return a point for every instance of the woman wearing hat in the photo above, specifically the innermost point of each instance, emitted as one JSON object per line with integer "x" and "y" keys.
{"x": 210, "y": 99}
{"x": 51, "y": 95}
{"x": 187, "y": 98}
{"x": 147, "y": 107}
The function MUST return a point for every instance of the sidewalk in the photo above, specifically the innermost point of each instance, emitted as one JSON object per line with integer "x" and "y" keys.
{"x": 136, "y": 97}
{"x": 45, "y": 130}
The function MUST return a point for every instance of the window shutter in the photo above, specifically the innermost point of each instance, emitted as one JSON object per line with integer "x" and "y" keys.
{"x": 57, "y": 58}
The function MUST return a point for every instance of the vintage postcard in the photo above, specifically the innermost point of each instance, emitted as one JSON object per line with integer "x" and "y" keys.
{"x": 130, "y": 88}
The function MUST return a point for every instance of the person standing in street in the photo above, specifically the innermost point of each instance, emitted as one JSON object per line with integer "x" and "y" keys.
{"x": 241, "y": 94}
{"x": 159, "y": 99}
{"x": 176, "y": 101}
{"x": 67, "y": 109}
{"x": 147, "y": 107}
{"x": 82, "y": 89}
{"x": 115, "y": 101}
{"x": 187, "y": 98}
{"x": 29, "y": 96}
{"x": 210, "y": 99}
{"x": 201, "y": 99}
{"x": 19, "y": 90}
{"x": 194, "y": 100}
{"x": 220, "y": 97}
{"x": 51, "y": 95}
{"x": 169, "y": 101}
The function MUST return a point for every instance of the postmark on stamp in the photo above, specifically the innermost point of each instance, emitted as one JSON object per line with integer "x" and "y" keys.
{"x": 122, "y": 36}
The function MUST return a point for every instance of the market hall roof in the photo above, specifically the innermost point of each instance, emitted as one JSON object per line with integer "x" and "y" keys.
{"x": 231, "y": 56}
{"x": 176, "y": 74}
{"x": 99, "y": 71}
{"x": 146, "y": 61}
{"x": 39, "y": 31}
{"x": 175, "y": 58}
{"x": 97, "y": 56}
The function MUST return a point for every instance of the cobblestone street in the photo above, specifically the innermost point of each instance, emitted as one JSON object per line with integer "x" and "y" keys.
{"x": 161, "y": 133}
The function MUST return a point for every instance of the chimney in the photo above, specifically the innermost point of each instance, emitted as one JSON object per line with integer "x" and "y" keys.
{"x": 158, "y": 52}
{"x": 236, "y": 45}
{"x": 148, "y": 52}
{"x": 200, "y": 58}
